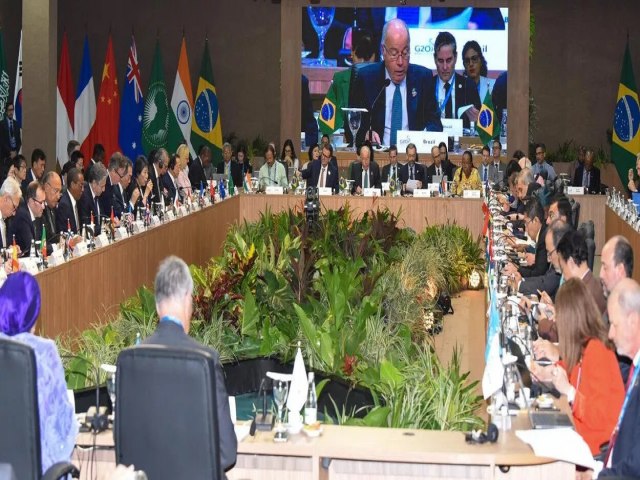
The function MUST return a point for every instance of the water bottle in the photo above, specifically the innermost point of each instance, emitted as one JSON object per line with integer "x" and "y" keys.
{"x": 456, "y": 144}
{"x": 311, "y": 405}
{"x": 32, "y": 250}
{"x": 138, "y": 338}
{"x": 503, "y": 130}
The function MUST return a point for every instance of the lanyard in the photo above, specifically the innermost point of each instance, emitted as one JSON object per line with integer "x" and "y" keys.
{"x": 446, "y": 98}
{"x": 627, "y": 397}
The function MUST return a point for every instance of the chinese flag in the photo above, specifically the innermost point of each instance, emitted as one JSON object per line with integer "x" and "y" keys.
{"x": 105, "y": 130}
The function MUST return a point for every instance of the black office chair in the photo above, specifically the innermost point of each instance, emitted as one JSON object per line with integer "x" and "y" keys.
{"x": 19, "y": 416}
{"x": 166, "y": 415}
{"x": 575, "y": 212}
{"x": 588, "y": 230}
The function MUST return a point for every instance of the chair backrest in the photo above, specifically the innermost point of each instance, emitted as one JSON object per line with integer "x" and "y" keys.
{"x": 165, "y": 420}
{"x": 588, "y": 230}
{"x": 575, "y": 213}
{"x": 19, "y": 415}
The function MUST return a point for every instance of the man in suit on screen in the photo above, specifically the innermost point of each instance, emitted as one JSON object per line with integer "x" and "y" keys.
{"x": 321, "y": 172}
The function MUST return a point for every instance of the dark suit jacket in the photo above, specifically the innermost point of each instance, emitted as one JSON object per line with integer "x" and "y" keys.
{"x": 312, "y": 175}
{"x": 466, "y": 94}
{"x": 385, "y": 172}
{"x": 64, "y": 212}
{"x": 106, "y": 199}
{"x": 421, "y": 102}
{"x": 5, "y": 144}
{"x": 169, "y": 333}
{"x": 25, "y": 183}
{"x": 49, "y": 223}
{"x": 156, "y": 193}
{"x": 419, "y": 173}
{"x": 236, "y": 172}
{"x": 626, "y": 454}
{"x": 374, "y": 176}
{"x": 23, "y": 228}
{"x": 167, "y": 183}
{"x": 541, "y": 264}
{"x": 445, "y": 169}
{"x": 86, "y": 207}
{"x": 549, "y": 282}
{"x": 197, "y": 176}
{"x": 119, "y": 202}
{"x": 499, "y": 95}
{"x": 594, "y": 179}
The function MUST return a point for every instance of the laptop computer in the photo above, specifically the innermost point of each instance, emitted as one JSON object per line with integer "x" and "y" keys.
{"x": 549, "y": 419}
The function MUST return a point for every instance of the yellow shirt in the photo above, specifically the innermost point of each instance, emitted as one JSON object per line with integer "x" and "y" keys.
{"x": 462, "y": 182}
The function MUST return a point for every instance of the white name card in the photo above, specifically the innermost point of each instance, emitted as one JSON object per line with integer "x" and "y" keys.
{"x": 575, "y": 190}
{"x": 423, "y": 141}
{"x": 56, "y": 258}
{"x": 433, "y": 187}
{"x": 101, "y": 240}
{"x": 452, "y": 127}
{"x": 195, "y": 206}
{"x": 422, "y": 193}
{"x": 28, "y": 265}
{"x": 155, "y": 220}
{"x": 80, "y": 249}
{"x": 138, "y": 226}
{"x": 324, "y": 191}
{"x": 182, "y": 211}
{"x": 120, "y": 233}
{"x": 274, "y": 190}
{"x": 371, "y": 192}
{"x": 471, "y": 194}
{"x": 385, "y": 186}
{"x": 169, "y": 215}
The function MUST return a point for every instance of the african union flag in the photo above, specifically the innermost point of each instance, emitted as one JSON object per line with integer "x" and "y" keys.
{"x": 626, "y": 120}
{"x": 205, "y": 126}
{"x": 487, "y": 126}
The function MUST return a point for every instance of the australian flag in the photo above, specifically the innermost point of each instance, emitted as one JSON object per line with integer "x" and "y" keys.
{"x": 131, "y": 108}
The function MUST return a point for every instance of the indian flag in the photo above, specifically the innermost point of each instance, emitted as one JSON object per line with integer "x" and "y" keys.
{"x": 182, "y": 103}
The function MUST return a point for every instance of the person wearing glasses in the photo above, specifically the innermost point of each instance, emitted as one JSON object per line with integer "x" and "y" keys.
{"x": 456, "y": 96}
{"x": 403, "y": 92}
{"x": 112, "y": 196}
{"x": 475, "y": 68}
{"x": 26, "y": 225}
{"x": 10, "y": 195}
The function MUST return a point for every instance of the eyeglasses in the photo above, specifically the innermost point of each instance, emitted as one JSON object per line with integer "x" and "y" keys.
{"x": 468, "y": 60}
{"x": 39, "y": 202}
{"x": 121, "y": 175}
{"x": 550, "y": 253}
{"x": 56, "y": 191}
{"x": 15, "y": 207}
{"x": 393, "y": 54}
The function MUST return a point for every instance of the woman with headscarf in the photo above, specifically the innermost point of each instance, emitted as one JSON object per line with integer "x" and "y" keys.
{"x": 19, "y": 310}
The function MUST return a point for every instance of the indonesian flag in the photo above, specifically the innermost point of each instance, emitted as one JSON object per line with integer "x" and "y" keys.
{"x": 64, "y": 108}
{"x": 182, "y": 101}
{"x": 85, "y": 107}
{"x": 105, "y": 130}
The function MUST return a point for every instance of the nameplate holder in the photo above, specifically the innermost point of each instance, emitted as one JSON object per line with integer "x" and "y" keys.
{"x": 274, "y": 190}
{"x": 575, "y": 190}
{"x": 182, "y": 211}
{"x": 155, "y": 220}
{"x": 385, "y": 186}
{"x": 56, "y": 258}
{"x": 423, "y": 141}
{"x": 101, "y": 240}
{"x": 452, "y": 127}
{"x": 121, "y": 233}
{"x": 433, "y": 187}
{"x": 471, "y": 194}
{"x": 138, "y": 226}
{"x": 371, "y": 192}
{"x": 422, "y": 193}
{"x": 169, "y": 215}
{"x": 195, "y": 206}
{"x": 325, "y": 191}
{"x": 28, "y": 265}
{"x": 80, "y": 249}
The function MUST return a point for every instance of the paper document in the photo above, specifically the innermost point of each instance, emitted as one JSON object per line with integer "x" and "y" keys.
{"x": 563, "y": 444}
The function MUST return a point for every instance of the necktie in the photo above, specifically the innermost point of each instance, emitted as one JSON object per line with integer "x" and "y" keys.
{"x": 447, "y": 108}
{"x": 366, "y": 179}
{"x": 614, "y": 435}
{"x": 75, "y": 216}
{"x": 632, "y": 370}
{"x": 396, "y": 115}
{"x": 484, "y": 174}
{"x": 585, "y": 182}
{"x": 438, "y": 171}
{"x": 411, "y": 175}
{"x": 322, "y": 177}
{"x": 97, "y": 219}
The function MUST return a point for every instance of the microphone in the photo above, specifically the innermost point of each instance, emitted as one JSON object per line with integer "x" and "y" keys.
{"x": 386, "y": 83}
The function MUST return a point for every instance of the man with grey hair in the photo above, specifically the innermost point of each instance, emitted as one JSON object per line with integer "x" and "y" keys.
{"x": 158, "y": 165}
{"x": 399, "y": 94}
{"x": 616, "y": 262}
{"x": 174, "y": 304}
{"x": 10, "y": 195}
{"x": 365, "y": 174}
{"x": 112, "y": 196}
{"x": 89, "y": 203}
{"x": 229, "y": 167}
{"x": 623, "y": 454}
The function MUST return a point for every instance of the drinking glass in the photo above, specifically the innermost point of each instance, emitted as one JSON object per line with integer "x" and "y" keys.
{"x": 321, "y": 19}
{"x": 354, "y": 118}
{"x": 280, "y": 391}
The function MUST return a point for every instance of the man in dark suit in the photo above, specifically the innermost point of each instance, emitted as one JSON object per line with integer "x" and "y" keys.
{"x": 437, "y": 168}
{"x": 159, "y": 161}
{"x": 413, "y": 170}
{"x": 587, "y": 175}
{"x": 10, "y": 140}
{"x": 197, "y": 176}
{"x": 67, "y": 215}
{"x": 229, "y": 167}
{"x": 365, "y": 174}
{"x": 406, "y": 102}
{"x": 52, "y": 189}
{"x": 391, "y": 169}
{"x": 174, "y": 303}
{"x": 170, "y": 182}
{"x": 623, "y": 455}
{"x": 453, "y": 91}
{"x": 536, "y": 263}
{"x": 26, "y": 224}
{"x": 89, "y": 203}
{"x": 112, "y": 196}
{"x": 321, "y": 172}
{"x": 38, "y": 166}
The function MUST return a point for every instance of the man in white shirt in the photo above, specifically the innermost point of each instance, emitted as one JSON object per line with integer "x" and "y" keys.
{"x": 10, "y": 195}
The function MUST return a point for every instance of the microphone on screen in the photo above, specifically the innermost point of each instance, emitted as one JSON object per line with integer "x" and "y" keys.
{"x": 386, "y": 83}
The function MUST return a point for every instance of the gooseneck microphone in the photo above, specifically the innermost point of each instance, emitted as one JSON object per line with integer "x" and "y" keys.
{"x": 387, "y": 82}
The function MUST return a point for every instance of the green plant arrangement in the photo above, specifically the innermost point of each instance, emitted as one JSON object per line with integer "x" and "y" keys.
{"x": 358, "y": 294}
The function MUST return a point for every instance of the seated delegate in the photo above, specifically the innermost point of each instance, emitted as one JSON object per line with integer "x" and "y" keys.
{"x": 466, "y": 177}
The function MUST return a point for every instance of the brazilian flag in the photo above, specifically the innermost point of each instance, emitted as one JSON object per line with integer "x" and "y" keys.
{"x": 487, "y": 125}
{"x": 626, "y": 120}
{"x": 328, "y": 114}
{"x": 205, "y": 126}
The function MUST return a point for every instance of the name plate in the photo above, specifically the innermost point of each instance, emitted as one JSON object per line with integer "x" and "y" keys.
{"x": 155, "y": 220}
{"x": 433, "y": 187}
{"x": 101, "y": 240}
{"x": 56, "y": 258}
{"x": 169, "y": 215}
{"x": 195, "y": 206}
{"x": 120, "y": 233}
{"x": 471, "y": 194}
{"x": 575, "y": 190}
{"x": 28, "y": 265}
{"x": 274, "y": 190}
{"x": 371, "y": 192}
{"x": 385, "y": 186}
{"x": 80, "y": 249}
{"x": 423, "y": 141}
{"x": 182, "y": 211}
{"x": 138, "y": 226}
{"x": 324, "y": 191}
{"x": 422, "y": 193}
{"x": 452, "y": 126}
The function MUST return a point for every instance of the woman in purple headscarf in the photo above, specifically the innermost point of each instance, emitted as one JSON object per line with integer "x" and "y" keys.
{"x": 19, "y": 310}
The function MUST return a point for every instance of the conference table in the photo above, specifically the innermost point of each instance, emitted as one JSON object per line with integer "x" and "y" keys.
{"x": 349, "y": 452}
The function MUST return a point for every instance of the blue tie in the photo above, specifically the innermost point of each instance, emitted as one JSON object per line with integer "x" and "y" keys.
{"x": 396, "y": 116}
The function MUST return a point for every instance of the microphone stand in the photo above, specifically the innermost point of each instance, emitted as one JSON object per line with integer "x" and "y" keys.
{"x": 386, "y": 83}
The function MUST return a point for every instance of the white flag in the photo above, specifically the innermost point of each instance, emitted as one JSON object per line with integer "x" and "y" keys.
{"x": 298, "y": 388}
